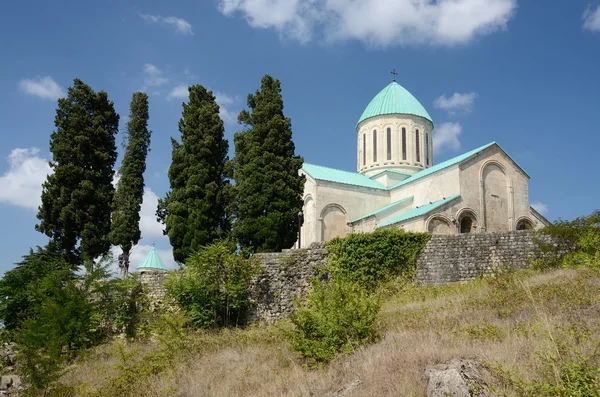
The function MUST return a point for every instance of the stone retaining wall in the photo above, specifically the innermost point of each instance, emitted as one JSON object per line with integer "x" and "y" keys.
{"x": 286, "y": 275}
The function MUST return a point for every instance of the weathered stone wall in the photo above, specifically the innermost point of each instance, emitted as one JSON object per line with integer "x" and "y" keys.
{"x": 466, "y": 256}
{"x": 155, "y": 286}
{"x": 285, "y": 275}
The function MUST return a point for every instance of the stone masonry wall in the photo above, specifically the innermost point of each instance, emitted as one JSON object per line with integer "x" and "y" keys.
{"x": 466, "y": 256}
{"x": 286, "y": 275}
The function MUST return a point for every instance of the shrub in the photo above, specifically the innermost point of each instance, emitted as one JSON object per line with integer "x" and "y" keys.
{"x": 336, "y": 317}
{"x": 213, "y": 288}
{"x": 373, "y": 258}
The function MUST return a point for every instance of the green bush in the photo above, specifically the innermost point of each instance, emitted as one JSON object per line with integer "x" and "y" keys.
{"x": 373, "y": 258}
{"x": 336, "y": 317}
{"x": 213, "y": 287}
{"x": 580, "y": 237}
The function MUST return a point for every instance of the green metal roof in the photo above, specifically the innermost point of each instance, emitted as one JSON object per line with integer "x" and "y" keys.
{"x": 419, "y": 211}
{"x": 339, "y": 176}
{"x": 387, "y": 207}
{"x": 394, "y": 99}
{"x": 152, "y": 261}
{"x": 438, "y": 167}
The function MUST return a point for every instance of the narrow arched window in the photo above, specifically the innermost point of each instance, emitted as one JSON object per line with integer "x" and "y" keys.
{"x": 426, "y": 149}
{"x": 374, "y": 146}
{"x": 364, "y": 149}
{"x": 389, "y": 143}
{"x": 403, "y": 143}
{"x": 418, "y": 158}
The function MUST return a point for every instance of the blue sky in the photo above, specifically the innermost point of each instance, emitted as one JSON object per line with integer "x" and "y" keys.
{"x": 522, "y": 73}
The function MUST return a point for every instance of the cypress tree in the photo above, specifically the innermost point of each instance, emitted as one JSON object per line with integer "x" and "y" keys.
{"x": 125, "y": 229}
{"x": 268, "y": 189}
{"x": 194, "y": 211}
{"x": 77, "y": 197}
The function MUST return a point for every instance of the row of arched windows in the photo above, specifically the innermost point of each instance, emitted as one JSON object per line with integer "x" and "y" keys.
{"x": 389, "y": 146}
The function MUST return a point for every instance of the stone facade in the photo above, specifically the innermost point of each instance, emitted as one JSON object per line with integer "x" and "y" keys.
{"x": 444, "y": 258}
{"x": 154, "y": 280}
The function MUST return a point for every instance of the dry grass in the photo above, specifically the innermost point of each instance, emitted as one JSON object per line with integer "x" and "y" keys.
{"x": 509, "y": 322}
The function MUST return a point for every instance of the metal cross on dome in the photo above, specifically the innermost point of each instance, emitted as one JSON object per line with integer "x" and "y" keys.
{"x": 394, "y": 74}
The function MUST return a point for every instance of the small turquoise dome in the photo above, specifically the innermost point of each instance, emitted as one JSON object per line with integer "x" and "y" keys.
{"x": 394, "y": 99}
{"x": 152, "y": 261}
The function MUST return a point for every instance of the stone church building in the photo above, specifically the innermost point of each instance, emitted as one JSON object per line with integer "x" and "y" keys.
{"x": 398, "y": 185}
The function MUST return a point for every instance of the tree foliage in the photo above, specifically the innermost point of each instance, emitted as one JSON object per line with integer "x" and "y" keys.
{"x": 213, "y": 288}
{"x": 77, "y": 197}
{"x": 125, "y": 229}
{"x": 268, "y": 190}
{"x": 194, "y": 211}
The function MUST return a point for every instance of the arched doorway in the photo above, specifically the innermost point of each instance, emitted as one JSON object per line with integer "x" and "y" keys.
{"x": 439, "y": 225}
{"x": 495, "y": 196}
{"x": 335, "y": 222}
{"x": 467, "y": 221}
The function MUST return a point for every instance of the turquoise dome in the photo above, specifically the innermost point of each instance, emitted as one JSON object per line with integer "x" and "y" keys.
{"x": 394, "y": 99}
{"x": 152, "y": 261}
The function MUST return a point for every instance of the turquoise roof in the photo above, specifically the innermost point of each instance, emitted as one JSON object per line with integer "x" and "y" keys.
{"x": 394, "y": 99}
{"x": 390, "y": 171}
{"x": 387, "y": 207}
{"x": 419, "y": 211}
{"x": 339, "y": 176}
{"x": 152, "y": 261}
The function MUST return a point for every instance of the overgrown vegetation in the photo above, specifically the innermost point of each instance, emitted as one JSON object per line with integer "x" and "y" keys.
{"x": 213, "y": 288}
{"x": 340, "y": 310}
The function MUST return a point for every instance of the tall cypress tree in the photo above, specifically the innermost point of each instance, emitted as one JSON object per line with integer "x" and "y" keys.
{"x": 77, "y": 197}
{"x": 268, "y": 189}
{"x": 194, "y": 211}
{"x": 125, "y": 229}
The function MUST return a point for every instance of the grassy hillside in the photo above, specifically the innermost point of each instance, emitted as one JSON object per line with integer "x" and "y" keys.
{"x": 538, "y": 333}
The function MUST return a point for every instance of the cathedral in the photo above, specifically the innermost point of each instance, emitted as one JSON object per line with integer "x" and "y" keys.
{"x": 398, "y": 184}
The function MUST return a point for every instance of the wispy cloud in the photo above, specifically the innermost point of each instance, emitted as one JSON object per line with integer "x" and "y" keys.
{"x": 153, "y": 77}
{"x": 375, "y": 22}
{"x": 21, "y": 184}
{"x": 178, "y": 92}
{"x": 45, "y": 88}
{"x": 591, "y": 19}
{"x": 457, "y": 102}
{"x": 446, "y": 137}
{"x": 540, "y": 207}
{"x": 224, "y": 101}
{"x": 181, "y": 25}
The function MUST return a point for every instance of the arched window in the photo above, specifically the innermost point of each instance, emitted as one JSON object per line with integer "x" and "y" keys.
{"x": 466, "y": 224}
{"x": 374, "y": 146}
{"x": 364, "y": 149}
{"x": 418, "y": 158}
{"x": 389, "y": 143}
{"x": 426, "y": 149}
{"x": 403, "y": 143}
{"x": 524, "y": 224}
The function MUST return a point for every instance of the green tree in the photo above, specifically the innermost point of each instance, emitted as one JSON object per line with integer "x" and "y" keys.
{"x": 194, "y": 211}
{"x": 267, "y": 188}
{"x": 19, "y": 288}
{"x": 77, "y": 197}
{"x": 125, "y": 229}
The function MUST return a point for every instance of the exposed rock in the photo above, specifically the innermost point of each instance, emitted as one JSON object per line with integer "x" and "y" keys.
{"x": 456, "y": 378}
{"x": 8, "y": 355}
{"x": 344, "y": 391}
{"x": 10, "y": 385}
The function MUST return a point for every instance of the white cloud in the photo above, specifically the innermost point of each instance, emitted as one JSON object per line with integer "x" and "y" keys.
{"x": 45, "y": 88}
{"x": 181, "y": 25}
{"x": 149, "y": 226}
{"x": 446, "y": 137}
{"x": 178, "y": 92}
{"x": 153, "y": 77}
{"x": 21, "y": 184}
{"x": 229, "y": 116}
{"x": 376, "y": 22}
{"x": 591, "y": 19}
{"x": 456, "y": 102}
{"x": 540, "y": 207}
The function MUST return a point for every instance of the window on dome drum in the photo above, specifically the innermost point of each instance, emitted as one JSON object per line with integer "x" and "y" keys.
{"x": 389, "y": 143}
{"x": 426, "y": 149}
{"x": 403, "y": 143}
{"x": 417, "y": 146}
{"x": 374, "y": 146}
{"x": 364, "y": 149}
